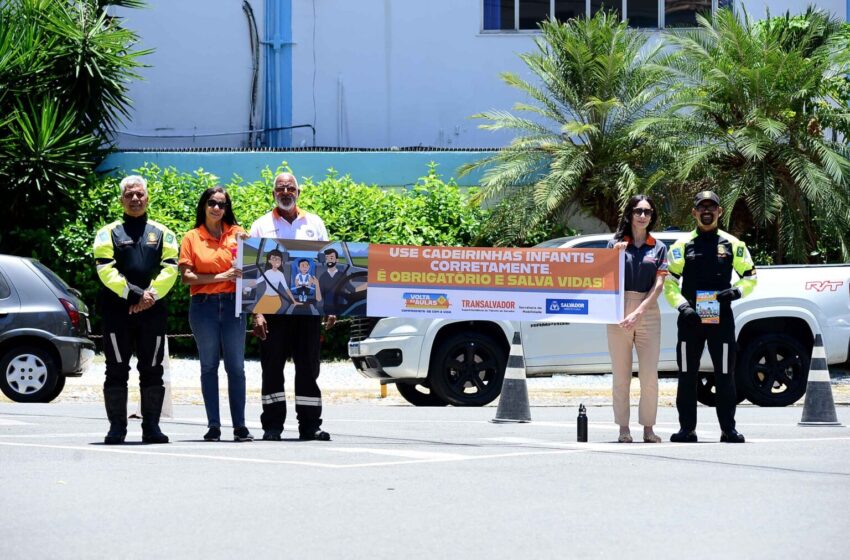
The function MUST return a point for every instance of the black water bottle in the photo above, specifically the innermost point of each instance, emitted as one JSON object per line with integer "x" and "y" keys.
{"x": 581, "y": 421}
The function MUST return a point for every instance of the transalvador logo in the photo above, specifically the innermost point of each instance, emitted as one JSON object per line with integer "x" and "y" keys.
{"x": 425, "y": 301}
{"x": 566, "y": 306}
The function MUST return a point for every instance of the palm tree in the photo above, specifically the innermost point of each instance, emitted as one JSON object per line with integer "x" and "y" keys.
{"x": 751, "y": 104}
{"x": 578, "y": 147}
{"x": 65, "y": 68}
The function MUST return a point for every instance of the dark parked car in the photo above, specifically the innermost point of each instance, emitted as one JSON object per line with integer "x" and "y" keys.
{"x": 44, "y": 327}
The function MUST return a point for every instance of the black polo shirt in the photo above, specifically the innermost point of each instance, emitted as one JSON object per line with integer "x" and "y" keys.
{"x": 643, "y": 264}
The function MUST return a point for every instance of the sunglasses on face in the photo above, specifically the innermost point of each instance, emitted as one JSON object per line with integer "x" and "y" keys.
{"x": 287, "y": 189}
{"x": 132, "y": 195}
{"x": 213, "y": 203}
{"x": 642, "y": 212}
{"x": 709, "y": 207}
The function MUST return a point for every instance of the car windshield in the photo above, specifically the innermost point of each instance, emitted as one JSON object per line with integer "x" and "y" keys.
{"x": 53, "y": 278}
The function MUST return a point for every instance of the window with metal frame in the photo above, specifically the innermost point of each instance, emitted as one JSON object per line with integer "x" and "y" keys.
{"x": 525, "y": 15}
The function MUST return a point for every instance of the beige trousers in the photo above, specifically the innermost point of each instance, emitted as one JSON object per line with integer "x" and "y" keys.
{"x": 646, "y": 338}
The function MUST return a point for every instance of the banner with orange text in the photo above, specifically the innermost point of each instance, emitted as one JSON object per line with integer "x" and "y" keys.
{"x": 579, "y": 285}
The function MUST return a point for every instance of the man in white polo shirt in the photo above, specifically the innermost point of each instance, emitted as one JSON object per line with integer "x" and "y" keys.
{"x": 298, "y": 336}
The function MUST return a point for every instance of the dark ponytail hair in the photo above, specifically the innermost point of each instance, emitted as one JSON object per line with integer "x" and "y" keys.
{"x": 201, "y": 212}
{"x": 625, "y": 227}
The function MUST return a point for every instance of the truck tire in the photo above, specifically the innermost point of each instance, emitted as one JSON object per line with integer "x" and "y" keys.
{"x": 707, "y": 392}
{"x": 773, "y": 370}
{"x": 419, "y": 394}
{"x": 28, "y": 374}
{"x": 467, "y": 369}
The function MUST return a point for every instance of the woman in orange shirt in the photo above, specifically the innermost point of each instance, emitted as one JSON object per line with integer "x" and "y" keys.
{"x": 207, "y": 266}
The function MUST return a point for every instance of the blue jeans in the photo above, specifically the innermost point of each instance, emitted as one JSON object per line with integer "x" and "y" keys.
{"x": 217, "y": 330}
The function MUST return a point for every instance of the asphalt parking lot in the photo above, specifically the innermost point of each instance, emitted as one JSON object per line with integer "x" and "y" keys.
{"x": 398, "y": 481}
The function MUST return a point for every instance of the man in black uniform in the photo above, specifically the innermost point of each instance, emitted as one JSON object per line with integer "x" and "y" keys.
{"x": 705, "y": 261}
{"x": 137, "y": 264}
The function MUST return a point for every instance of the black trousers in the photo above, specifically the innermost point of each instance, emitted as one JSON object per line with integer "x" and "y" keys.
{"x": 296, "y": 337}
{"x": 140, "y": 333}
{"x": 723, "y": 349}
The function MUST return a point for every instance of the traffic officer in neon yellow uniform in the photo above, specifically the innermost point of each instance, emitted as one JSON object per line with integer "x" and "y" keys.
{"x": 704, "y": 263}
{"x": 137, "y": 265}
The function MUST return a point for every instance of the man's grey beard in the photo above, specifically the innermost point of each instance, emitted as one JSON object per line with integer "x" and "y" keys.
{"x": 286, "y": 207}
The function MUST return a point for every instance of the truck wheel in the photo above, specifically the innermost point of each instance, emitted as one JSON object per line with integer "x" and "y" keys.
{"x": 467, "y": 369}
{"x": 28, "y": 374}
{"x": 773, "y": 370}
{"x": 419, "y": 394}
{"x": 707, "y": 391}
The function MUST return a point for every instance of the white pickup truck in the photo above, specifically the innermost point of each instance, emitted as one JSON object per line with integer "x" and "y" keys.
{"x": 460, "y": 362}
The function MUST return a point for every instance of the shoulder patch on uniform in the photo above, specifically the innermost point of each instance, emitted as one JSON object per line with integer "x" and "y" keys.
{"x": 739, "y": 252}
{"x": 103, "y": 236}
{"x": 169, "y": 238}
{"x": 677, "y": 253}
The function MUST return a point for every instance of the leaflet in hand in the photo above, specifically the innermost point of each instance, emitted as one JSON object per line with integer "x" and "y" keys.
{"x": 708, "y": 307}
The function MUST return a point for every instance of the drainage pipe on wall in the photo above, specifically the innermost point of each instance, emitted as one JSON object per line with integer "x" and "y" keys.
{"x": 277, "y": 88}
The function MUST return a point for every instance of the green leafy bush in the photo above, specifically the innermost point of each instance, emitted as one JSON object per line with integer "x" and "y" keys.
{"x": 432, "y": 212}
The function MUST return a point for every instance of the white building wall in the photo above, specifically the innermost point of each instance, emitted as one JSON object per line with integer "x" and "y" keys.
{"x": 757, "y": 8}
{"x": 392, "y": 73}
{"x": 199, "y": 77}
{"x": 366, "y": 73}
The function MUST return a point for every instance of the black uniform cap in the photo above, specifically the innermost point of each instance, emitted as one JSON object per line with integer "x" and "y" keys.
{"x": 706, "y": 195}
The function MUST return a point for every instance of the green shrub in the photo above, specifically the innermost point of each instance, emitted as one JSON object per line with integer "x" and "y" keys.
{"x": 432, "y": 212}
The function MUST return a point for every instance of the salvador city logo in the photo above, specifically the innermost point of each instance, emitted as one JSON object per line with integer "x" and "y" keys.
{"x": 567, "y": 306}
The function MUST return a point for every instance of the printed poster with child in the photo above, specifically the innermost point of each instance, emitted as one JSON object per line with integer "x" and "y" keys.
{"x": 292, "y": 277}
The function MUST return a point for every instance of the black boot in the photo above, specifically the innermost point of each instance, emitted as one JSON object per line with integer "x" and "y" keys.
{"x": 731, "y": 436}
{"x": 151, "y": 409}
{"x": 683, "y": 436}
{"x": 115, "y": 400}
{"x": 313, "y": 434}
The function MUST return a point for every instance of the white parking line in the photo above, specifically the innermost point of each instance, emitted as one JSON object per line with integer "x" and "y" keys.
{"x": 225, "y": 458}
{"x": 797, "y": 440}
{"x": 578, "y": 446}
{"x": 607, "y": 446}
{"x": 406, "y": 453}
{"x": 7, "y": 422}
{"x": 97, "y": 435}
